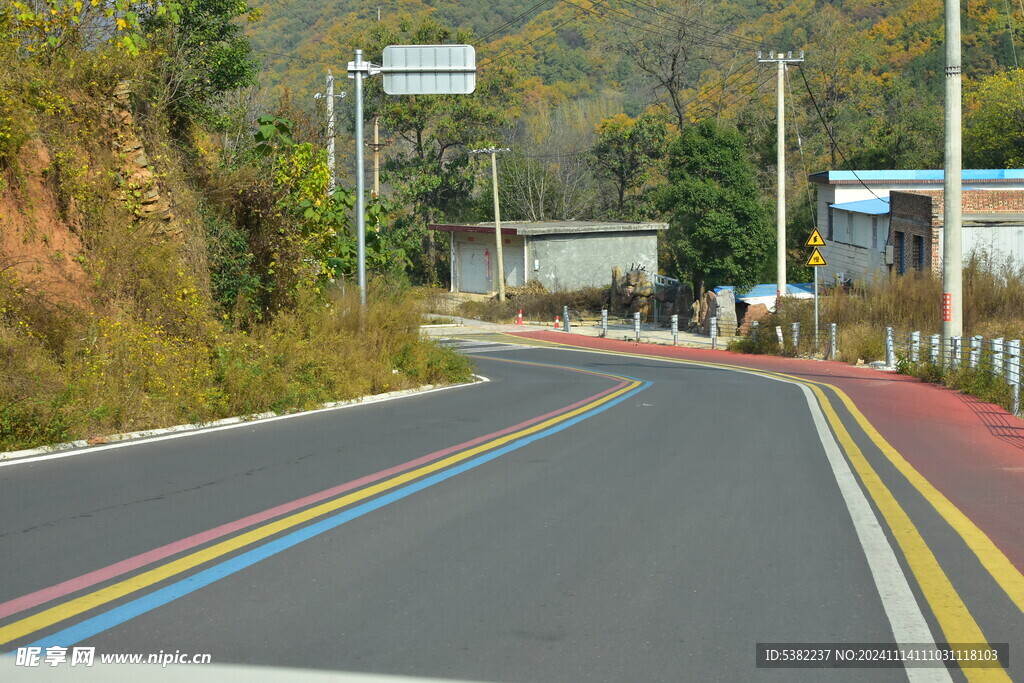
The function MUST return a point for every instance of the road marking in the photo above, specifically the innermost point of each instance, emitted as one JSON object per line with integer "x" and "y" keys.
{"x": 130, "y": 564}
{"x": 954, "y": 618}
{"x": 451, "y": 465}
{"x": 905, "y": 617}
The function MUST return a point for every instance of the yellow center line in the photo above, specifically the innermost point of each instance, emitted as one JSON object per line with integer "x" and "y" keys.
{"x": 955, "y": 620}
{"x": 92, "y": 600}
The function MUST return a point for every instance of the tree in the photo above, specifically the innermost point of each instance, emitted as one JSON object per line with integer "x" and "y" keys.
{"x": 204, "y": 55}
{"x": 626, "y": 150}
{"x": 719, "y": 228}
{"x": 994, "y": 122}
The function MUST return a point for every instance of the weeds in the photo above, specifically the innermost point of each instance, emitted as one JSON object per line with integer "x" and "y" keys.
{"x": 536, "y": 303}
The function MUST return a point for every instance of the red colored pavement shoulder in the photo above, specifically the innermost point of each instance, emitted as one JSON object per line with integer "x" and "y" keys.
{"x": 973, "y": 452}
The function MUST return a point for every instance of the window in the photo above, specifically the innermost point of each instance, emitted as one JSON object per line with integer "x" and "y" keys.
{"x": 849, "y": 228}
{"x": 874, "y": 232}
{"x": 899, "y": 261}
{"x": 917, "y": 257}
{"x": 831, "y": 222}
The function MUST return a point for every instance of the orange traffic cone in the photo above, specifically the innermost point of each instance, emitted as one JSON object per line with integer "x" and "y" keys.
{"x": 558, "y": 321}
{"x": 519, "y": 318}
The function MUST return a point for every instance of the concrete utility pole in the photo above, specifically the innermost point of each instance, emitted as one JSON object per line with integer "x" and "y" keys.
{"x": 781, "y": 60}
{"x": 359, "y": 74}
{"x": 330, "y": 129}
{"x": 497, "y": 214}
{"x": 952, "y": 212}
{"x": 377, "y": 146}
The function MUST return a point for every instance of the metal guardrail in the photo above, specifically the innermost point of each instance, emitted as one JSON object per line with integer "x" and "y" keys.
{"x": 999, "y": 357}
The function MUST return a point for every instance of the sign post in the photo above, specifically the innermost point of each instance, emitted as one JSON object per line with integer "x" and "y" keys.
{"x": 815, "y": 261}
{"x": 408, "y": 70}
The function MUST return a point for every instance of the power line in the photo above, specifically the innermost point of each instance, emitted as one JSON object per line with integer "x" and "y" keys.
{"x": 800, "y": 146}
{"x": 554, "y": 28}
{"x": 514, "y": 20}
{"x": 832, "y": 138}
{"x": 693, "y": 22}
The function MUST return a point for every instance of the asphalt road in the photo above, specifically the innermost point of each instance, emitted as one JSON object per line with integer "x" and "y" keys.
{"x": 579, "y": 517}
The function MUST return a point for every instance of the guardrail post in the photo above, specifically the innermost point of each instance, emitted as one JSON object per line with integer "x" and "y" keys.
{"x": 604, "y": 322}
{"x": 936, "y": 340}
{"x": 1013, "y": 371}
{"x": 714, "y": 331}
{"x": 675, "y": 330}
{"x": 778, "y": 333}
{"x": 796, "y": 336}
{"x": 997, "y": 357}
{"x": 754, "y": 329}
{"x": 975, "y": 353}
{"x": 915, "y": 346}
{"x": 890, "y": 348}
{"x": 636, "y": 325}
{"x": 954, "y": 352}
{"x": 565, "y": 317}
{"x": 833, "y": 341}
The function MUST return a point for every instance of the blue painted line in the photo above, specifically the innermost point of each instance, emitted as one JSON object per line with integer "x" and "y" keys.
{"x": 114, "y": 617}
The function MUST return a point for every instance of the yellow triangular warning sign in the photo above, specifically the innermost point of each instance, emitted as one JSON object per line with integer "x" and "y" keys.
{"x": 815, "y": 240}
{"x": 816, "y": 259}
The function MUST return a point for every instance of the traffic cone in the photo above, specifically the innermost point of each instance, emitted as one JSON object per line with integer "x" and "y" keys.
{"x": 558, "y": 321}
{"x": 519, "y": 318}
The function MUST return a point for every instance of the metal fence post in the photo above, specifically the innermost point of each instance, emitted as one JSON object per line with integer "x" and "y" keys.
{"x": 565, "y": 317}
{"x": 833, "y": 341}
{"x": 675, "y": 330}
{"x": 934, "y": 356}
{"x": 754, "y": 329}
{"x": 636, "y": 325}
{"x": 915, "y": 346}
{"x": 890, "y": 348}
{"x": 1013, "y": 371}
{"x": 997, "y": 357}
{"x": 954, "y": 352}
{"x": 975, "y": 353}
{"x": 714, "y": 331}
{"x": 778, "y": 333}
{"x": 604, "y": 322}
{"x": 796, "y": 336}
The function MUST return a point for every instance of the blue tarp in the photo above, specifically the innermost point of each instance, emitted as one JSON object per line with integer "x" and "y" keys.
{"x": 761, "y": 291}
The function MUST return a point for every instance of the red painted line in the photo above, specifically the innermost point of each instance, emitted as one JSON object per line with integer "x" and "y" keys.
{"x": 42, "y": 595}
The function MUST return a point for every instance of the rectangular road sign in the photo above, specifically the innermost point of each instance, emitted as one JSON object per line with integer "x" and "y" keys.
{"x": 816, "y": 259}
{"x": 429, "y": 69}
{"x": 815, "y": 240}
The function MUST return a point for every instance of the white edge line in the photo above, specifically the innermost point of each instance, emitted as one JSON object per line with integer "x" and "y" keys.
{"x": 908, "y": 624}
{"x": 66, "y": 450}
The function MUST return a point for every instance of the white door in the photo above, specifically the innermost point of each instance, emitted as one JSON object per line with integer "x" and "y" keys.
{"x": 474, "y": 268}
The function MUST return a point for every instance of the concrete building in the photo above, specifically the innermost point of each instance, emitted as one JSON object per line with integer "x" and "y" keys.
{"x": 869, "y": 233}
{"x": 561, "y": 255}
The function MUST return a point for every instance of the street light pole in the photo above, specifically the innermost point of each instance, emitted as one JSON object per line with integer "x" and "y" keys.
{"x": 497, "y": 215}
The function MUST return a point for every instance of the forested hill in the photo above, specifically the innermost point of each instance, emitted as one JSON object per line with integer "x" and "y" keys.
{"x": 873, "y": 69}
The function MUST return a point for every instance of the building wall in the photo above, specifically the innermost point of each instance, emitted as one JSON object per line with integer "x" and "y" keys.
{"x": 586, "y": 260}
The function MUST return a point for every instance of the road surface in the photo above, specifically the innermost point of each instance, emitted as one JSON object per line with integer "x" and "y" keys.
{"x": 579, "y": 516}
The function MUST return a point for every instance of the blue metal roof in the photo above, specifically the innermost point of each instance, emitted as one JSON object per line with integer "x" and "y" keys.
{"x": 925, "y": 174}
{"x": 760, "y": 291}
{"x": 872, "y": 207}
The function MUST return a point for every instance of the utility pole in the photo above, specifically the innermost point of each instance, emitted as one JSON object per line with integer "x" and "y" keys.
{"x": 377, "y": 146}
{"x": 952, "y": 211}
{"x": 497, "y": 214}
{"x": 330, "y": 129}
{"x": 781, "y": 60}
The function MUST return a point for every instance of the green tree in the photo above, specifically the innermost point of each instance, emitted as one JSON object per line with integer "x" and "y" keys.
{"x": 719, "y": 228}
{"x": 203, "y": 55}
{"x": 627, "y": 149}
